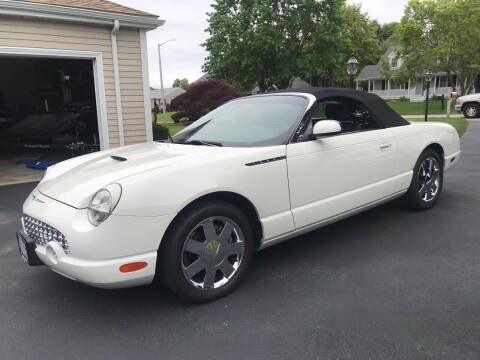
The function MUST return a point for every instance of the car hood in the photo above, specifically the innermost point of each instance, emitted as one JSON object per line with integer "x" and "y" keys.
{"x": 469, "y": 97}
{"x": 74, "y": 181}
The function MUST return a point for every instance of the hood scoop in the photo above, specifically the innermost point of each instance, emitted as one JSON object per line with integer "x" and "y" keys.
{"x": 118, "y": 158}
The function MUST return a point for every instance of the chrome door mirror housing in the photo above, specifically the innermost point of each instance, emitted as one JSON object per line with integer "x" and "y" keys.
{"x": 327, "y": 128}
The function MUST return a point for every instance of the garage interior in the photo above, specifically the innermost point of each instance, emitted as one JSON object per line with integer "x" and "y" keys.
{"x": 48, "y": 113}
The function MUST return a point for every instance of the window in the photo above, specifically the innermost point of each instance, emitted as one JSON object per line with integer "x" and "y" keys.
{"x": 352, "y": 115}
{"x": 394, "y": 63}
{"x": 247, "y": 122}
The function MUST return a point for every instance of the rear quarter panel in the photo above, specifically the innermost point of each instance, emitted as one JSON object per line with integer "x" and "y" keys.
{"x": 413, "y": 139}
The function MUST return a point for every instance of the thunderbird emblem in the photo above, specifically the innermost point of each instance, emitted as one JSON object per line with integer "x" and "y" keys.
{"x": 35, "y": 198}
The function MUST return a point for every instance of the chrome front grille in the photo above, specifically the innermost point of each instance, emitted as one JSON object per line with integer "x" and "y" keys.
{"x": 42, "y": 233}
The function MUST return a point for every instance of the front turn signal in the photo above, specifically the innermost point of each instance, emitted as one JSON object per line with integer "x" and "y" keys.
{"x": 131, "y": 267}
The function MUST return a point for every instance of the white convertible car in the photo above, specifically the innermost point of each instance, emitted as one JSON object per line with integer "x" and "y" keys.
{"x": 191, "y": 211}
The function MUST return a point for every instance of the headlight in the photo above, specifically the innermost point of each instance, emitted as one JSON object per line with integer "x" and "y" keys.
{"x": 103, "y": 203}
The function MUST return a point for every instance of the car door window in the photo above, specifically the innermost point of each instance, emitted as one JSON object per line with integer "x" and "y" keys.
{"x": 352, "y": 115}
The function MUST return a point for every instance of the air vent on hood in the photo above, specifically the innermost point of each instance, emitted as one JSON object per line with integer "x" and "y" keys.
{"x": 118, "y": 158}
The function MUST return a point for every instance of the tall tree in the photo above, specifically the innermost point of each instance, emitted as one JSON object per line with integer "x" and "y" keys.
{"x": 443, "y": 36}
{"x": 388, "y": 35}
{"x": 263, "y": 41}
{"x": 181, "y": 83}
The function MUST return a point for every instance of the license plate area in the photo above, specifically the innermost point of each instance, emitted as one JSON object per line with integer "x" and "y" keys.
{"x": 26, "y": 247}
{"x": 22, "y": 247}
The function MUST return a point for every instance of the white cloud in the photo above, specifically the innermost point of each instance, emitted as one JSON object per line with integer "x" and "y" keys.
{"x": 186, "y": 21}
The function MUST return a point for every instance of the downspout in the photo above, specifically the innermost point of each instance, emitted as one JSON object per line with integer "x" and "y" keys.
{"x": 116, "y": 75}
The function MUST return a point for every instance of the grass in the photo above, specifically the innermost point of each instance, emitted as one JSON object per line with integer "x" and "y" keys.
{"x": 418, "y": 108}
{"x": 173, "y": 128}
{"x": 460, "y": 124}
{"x": 160, "y": 117}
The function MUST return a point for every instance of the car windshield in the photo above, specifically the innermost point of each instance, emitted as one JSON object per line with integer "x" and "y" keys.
{"x": 247, "y": 122}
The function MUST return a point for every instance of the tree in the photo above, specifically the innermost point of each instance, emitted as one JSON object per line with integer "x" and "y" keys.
{"x": 443, "y": 36}
{"x": 388, "y": 35}
{"x": 202, "y": 98}
{"x": 270, "y": 42}
{"x": 181, "y": 83}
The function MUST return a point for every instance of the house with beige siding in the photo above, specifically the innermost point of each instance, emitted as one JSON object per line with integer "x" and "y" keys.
{"x": 73, "y": 76}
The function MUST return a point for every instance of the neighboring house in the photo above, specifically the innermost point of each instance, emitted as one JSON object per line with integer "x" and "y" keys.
{"x": 170, "y": 94}
{"x": 372, "y": 80}
{"x": 62, "y": 36}
{"x": 201, "y": 78}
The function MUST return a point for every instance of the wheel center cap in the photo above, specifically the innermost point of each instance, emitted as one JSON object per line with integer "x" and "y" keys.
{"x": 212, "y": 254}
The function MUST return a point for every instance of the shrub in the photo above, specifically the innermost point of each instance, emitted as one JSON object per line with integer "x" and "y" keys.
{"x": 202, "y": 98}
{"x": 404, "y": 98}
{"x": 179, "y": 116}
{"x": 160, "y": 132}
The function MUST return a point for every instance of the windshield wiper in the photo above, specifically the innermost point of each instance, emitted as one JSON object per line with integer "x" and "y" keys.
{"x": 199, "y": 142}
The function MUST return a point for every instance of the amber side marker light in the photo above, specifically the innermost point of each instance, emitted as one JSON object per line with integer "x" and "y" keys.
{"x": 135, "y": 266}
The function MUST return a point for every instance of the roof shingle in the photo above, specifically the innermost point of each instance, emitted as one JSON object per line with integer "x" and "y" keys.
{"x": 101, "y": 5}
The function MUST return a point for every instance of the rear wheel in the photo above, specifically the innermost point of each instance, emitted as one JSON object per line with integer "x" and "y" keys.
{"x": 207, "y": 252}
{"x": 427, "y": 181}
{"x": 471, "y": 111}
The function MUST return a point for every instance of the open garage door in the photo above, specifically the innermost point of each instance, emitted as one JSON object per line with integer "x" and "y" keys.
{"x": 48, "y": 112}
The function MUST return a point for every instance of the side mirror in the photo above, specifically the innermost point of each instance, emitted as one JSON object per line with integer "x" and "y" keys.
{"x": 326, "y": 128}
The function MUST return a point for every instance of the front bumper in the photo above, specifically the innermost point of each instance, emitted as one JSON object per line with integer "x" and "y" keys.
{"x": 95, "y": 254}
{"x": 458, "y": 108}
{"x": 98, "y": 273}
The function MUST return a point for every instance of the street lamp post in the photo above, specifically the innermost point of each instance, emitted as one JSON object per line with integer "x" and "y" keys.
{"x": 352, "y": 68}
{"x": 161, "y": 80}
{"x": 428, "y": 79}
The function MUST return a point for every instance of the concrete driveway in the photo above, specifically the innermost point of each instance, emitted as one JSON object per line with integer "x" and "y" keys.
{"x": 386, "y": 284}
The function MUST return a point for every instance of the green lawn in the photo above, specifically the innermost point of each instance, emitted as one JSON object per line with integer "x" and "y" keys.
{"x": 170, "y": 125}
{"x": 418, "y": 108}
{"x": 160, "y": 117}
{"x": 460, "y": 124}
{"x": 173, "y": 128}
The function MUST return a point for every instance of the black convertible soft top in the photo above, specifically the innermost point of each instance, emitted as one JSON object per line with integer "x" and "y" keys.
{"x": 374, "y": 103}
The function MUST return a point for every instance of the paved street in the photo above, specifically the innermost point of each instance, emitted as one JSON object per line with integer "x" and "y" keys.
{"x": 386, "y": 284}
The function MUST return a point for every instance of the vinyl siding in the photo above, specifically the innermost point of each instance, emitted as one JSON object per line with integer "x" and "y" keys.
{"x": 70, "y": 36}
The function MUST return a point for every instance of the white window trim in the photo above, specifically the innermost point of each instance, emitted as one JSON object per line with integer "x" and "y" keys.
{"x": 97, "y": 60}
{"x": 146, "y": 85}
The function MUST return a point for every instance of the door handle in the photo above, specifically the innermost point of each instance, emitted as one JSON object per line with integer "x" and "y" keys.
{"x": 385, "y": 147}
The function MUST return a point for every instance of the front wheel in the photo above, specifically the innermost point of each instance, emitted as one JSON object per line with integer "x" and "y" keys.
{"x": 471, "y": 111}
{"x": 427, "y": 181}
{"x": 207, "y": 251}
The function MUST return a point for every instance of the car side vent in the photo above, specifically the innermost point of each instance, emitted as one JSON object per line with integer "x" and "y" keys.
{"x": 118, "y": 158}
{"x": 266, "y": 161}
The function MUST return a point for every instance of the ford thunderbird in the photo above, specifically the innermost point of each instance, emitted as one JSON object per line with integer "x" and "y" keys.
{"x": 191, "y": 211}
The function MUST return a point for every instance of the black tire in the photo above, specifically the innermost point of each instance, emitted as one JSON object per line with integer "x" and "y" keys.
{"x": 418, "y": 198}
{"x": 471, "y": 111}
{"x": 170, "y": 266}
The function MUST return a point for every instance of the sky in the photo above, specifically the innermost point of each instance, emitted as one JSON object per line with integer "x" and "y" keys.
{"x": 186, "y": 21}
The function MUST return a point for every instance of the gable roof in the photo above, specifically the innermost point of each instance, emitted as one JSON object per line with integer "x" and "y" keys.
{"x": 100, "y": 5}
{"x": 169, "y": 93}
{"x": 375, "y": 71}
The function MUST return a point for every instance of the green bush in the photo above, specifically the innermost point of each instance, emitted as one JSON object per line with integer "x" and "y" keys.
{"x": 160, "y": 132}
{"x": 404, "y": 98}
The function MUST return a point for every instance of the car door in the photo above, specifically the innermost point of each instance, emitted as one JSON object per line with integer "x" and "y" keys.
{"x": 335, "y": 174}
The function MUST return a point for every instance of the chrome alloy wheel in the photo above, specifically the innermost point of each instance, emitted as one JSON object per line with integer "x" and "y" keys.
{"x": 471, "y": 111}
{"x": 212, "y": 253}
{"x": 429, "y": 179}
